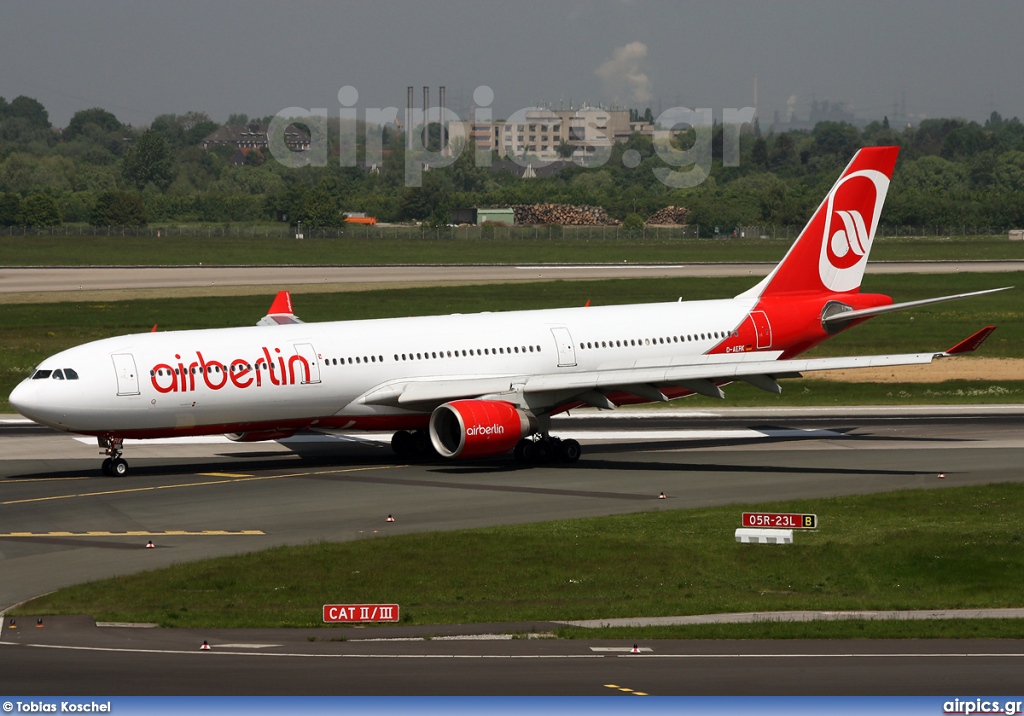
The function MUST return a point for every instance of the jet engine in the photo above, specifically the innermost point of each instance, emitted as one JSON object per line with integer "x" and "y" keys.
{"x": 478, "y": 428}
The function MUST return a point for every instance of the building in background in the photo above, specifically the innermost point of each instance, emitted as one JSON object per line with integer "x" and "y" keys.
{"x": 549, "y": 134}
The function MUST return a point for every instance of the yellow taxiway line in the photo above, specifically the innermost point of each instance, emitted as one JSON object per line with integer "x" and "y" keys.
{"x": 207, "y": 483}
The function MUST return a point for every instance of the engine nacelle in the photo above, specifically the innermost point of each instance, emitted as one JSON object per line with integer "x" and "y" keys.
{"x": 478, "y": 428}
{"x": 255, "y": 436}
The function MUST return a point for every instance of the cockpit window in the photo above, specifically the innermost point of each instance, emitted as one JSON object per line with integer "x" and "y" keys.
{"x": 70, "y": 374}
{"x": 40, "y": 374}
{"x": 58, "y": 374}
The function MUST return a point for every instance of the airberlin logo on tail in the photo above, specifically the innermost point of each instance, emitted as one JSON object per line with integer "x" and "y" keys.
{"x": 183, "y": 375}
{"x": 848, "y": 244}
{"x": 850, "y": 223}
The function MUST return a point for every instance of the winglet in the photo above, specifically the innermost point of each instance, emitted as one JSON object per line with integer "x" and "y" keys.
{"x": 971, "y": 344}
{"x": 282, "y": 304}
{"x": 280, "y": 312}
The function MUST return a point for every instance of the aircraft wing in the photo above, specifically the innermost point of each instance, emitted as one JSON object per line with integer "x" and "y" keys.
{"x": 544, "y": 392}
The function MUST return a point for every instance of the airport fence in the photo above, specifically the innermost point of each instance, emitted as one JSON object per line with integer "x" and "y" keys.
{"x": 482, "y": 233}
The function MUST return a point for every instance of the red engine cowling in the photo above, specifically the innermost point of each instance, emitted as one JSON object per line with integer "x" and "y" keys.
{"x": 478, "y": 428}
{"x": 256, "y": 436}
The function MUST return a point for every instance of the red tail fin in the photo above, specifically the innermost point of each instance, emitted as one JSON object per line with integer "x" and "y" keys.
{"x": 832, "y": 251}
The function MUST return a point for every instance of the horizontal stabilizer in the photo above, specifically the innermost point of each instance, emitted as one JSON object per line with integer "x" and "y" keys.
{"x": 845, "y": 316}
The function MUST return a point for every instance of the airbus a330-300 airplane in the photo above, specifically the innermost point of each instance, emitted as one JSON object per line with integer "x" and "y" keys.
{"x": 480, "y": 385}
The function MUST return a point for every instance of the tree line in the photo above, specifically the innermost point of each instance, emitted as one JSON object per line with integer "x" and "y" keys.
{"x": 100, "y": 171}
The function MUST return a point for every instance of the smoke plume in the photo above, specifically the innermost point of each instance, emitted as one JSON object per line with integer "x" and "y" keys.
{"x": 622, "y": 74}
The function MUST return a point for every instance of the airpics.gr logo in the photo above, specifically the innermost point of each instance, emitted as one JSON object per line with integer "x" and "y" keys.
{"x": 851, "y": 218}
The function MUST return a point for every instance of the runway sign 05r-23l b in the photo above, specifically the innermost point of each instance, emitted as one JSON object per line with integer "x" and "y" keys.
{"x": 780, "y": 520}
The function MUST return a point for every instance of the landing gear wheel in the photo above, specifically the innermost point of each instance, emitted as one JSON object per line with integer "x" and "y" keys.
{"x": 542, "y": 450}
{"x": 569, "y": 450}
{"x": 524, "y": 450}
{"x": 112, "y": 465}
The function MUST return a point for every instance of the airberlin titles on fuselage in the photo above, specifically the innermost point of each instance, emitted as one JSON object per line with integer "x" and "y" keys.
{"x": 238, "y": 373}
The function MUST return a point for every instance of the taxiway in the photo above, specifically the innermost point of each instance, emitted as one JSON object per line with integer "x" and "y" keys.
{"x": 63, "y": 524}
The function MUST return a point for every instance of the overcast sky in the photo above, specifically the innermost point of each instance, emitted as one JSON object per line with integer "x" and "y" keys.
{"x": 138, "y": 58}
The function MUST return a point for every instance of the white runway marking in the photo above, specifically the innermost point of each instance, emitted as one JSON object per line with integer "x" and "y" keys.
{"x": 247, "y": 646}
{"x": 603, "y": 267}
{"x": 872, "y": 655}
{"x": 740, "y": 433}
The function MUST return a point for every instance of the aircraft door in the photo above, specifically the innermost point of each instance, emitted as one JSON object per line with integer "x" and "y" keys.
{"x": 127, "y": 376}
{"x": 763, "y": 329}
{"x": 566, "y": 349}
{"x": 307, "y": 351}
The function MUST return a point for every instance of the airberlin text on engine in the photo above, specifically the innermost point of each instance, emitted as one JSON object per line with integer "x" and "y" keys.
{"x": 274, "y": 368}
{"x": 496, "y": 429}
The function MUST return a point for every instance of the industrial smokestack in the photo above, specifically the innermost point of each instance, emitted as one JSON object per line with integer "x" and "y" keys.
{"x": 426, "y": 116}
{"x": 408, "y": 117}
{"x": 440, "y": 115}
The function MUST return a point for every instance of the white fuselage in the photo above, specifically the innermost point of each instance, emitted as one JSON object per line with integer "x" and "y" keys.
{"x": 262, "y": 377}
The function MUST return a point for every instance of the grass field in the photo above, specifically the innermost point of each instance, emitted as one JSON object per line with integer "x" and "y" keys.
{"x": 130, "y": 251}
{"x": 31, "y": 332}
{"x": 927, "y": 549}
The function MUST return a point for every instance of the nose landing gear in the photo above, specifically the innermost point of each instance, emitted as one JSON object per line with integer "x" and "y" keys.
{"x": 114, "y": 465}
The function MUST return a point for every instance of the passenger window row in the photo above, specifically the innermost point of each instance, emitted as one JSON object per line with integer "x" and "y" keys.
{"x": 356, "y": 360}
{"x": 623, "y": 343}
{"x": 435, "y": 355}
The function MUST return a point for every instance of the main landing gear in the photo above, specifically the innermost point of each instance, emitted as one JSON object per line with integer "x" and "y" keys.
{"x": 114, "y": 465}
{"x": 546, "y": 449}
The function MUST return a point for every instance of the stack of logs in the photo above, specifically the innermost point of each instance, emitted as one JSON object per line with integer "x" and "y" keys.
{"x": 563, "y": 214}
{"x": 669, "y": 215}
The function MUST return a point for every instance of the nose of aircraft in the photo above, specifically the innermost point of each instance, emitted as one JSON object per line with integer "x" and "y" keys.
{"x": 21, "y": 398}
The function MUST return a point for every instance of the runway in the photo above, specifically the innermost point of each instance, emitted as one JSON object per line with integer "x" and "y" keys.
{"x": 44, "y": 283}
{"x": 63, "y": 524}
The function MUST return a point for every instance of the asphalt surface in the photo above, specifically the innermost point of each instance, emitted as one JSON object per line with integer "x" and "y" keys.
{"x": 62, "y": 523}
{"x": 43, "y": 280}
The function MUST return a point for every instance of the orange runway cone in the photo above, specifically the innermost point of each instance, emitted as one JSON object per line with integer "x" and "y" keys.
{"x": 205, "y": 646}
{"x": 39, "y": 623}
{"x": 390, "y": 519}
{"x": 12, "y": 625}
